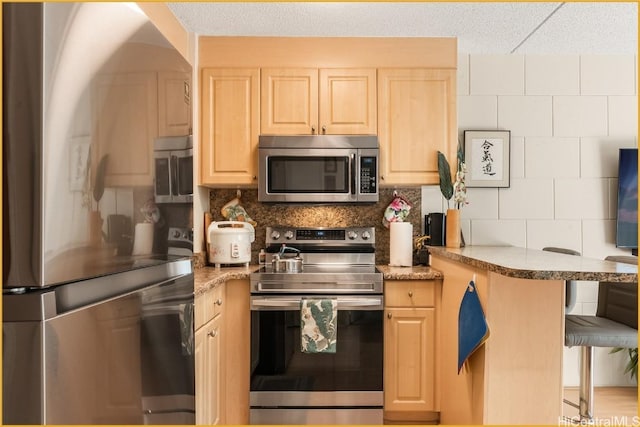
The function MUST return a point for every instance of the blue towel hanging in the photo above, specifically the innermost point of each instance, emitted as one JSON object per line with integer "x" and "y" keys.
{"x": 472, "y": 325}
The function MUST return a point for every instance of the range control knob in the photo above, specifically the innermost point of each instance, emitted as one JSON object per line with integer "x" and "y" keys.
{"x": 275, "y": 235}
{"x": 352, "y": 235}
{"x": 366, "y": 235}
{"x": 176, "y": 233}
{"x": 288, "y": 235}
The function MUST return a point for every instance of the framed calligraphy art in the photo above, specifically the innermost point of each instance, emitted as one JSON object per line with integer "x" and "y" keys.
{"x": 486, "y": 156}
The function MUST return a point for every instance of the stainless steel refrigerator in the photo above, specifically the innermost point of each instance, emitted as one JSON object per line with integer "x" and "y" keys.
{"x": 97, "y": 323}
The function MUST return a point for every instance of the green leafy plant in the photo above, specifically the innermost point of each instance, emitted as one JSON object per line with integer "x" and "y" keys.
{"x": 632, "y": 364}
{"x": 449, "y": 189}
{"x": 444, "y": 173}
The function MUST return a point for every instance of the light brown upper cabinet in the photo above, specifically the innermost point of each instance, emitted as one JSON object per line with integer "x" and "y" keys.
{"x": 230, "y": 126}
{"x": 417, "y": 118}
{"x": 308, "y": 101}
{"x": 174, "y": 103}
{"x": 126, "y": 110}
{"x": 137, "y": 106}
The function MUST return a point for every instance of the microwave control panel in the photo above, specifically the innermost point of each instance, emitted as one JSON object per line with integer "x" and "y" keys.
{"x": 368, "y": 175}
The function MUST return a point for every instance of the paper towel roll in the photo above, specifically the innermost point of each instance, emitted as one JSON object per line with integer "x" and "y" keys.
{"x": 143, "y": 239}
{"x": 401, "y": 244}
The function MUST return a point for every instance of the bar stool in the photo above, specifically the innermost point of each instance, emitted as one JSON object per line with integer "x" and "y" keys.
{"x": 614, "y": 325}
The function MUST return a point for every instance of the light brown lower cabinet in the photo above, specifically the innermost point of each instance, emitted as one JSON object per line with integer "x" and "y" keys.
{"x": 410, "y": 356}
{"x": 208, "y": 366}
{"x": 222, "y": 339}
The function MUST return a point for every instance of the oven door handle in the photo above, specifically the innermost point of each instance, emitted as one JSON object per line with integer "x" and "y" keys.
{"x": 374, "y": 303}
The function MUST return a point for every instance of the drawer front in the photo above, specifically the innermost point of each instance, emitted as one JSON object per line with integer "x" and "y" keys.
{"x": 217, "y": 300}
{"x": 409, "y": 293}
{"x": 208, "y": 305}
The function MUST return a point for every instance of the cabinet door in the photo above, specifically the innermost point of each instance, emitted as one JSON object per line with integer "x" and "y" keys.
{"x": 126, "y": 105}
{"x": 348, "y": 101}
{"x": 202, "y": 376}
{"x": 208, "y": 367}
{"x": 409, "y": 359}
{"x": 230, "y": 126}
{"x": 416, "y": 119}
{"x": 174, "y": 104}
{"x": 289, "y": 101}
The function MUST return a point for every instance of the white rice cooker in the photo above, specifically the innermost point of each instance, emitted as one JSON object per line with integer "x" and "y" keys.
{"x": 230, "y": 242}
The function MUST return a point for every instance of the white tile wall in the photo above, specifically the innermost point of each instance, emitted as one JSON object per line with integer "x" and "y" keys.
{"x": 599, "y": 239}
{"x": 586, "y": 198}
{"x": 525, "y": 115}
{"x": 482, "y": 204}
{"x": 496, "y": 75}
{"x": 463, "y": 75}
{"x": 498, "y": 233}
{"x": 552, "y": 157}
{"x": 526, "y": 199}
{"x": 517, "y": 157}
{"x": 478, "y": 112}
{"x": 568, "y": 115}
{"x": 552, "y": 75}
{"x": 623, "y": 116}
{"x": 607, "y": 75}
{"x": 599, "y": 156}
{"x": 561, "y": 234}
{"x": 580, "y": 116}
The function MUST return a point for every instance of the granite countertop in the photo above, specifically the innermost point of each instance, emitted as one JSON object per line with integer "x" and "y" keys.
{"x": 537, "y": 264}
{"x": 206, "y": 278}
{"x": 418, "y": 272}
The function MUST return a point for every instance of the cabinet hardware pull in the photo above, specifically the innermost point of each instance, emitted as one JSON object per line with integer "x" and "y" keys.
{"x": 255, "y": 177}
{"x": 313, "y": 130}
{"x": 382, "y": 177}
{"x": 324, "y": 130}
{"x": 410, "y": 294}
{"x": 213, "y": 333}
{"x": 389, "y": 315}
{"x": 219, "y": 301}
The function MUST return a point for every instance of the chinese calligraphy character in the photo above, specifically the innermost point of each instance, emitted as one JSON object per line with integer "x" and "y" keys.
{"x": 487, "y": 158}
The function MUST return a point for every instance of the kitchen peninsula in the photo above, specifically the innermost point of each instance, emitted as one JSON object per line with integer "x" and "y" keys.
{"x": 516, "y": 376}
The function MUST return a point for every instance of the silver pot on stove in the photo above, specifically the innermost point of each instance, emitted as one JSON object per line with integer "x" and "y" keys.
{"x": 282, "y": 264}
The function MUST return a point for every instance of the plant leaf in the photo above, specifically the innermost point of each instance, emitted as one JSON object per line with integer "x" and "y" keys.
{"x": 98, "y": 185}
{"x": 460, "y": 154}
{"x": 444, "y": 172}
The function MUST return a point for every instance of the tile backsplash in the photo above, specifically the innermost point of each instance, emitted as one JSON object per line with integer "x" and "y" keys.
{"x": 335, "y": 215}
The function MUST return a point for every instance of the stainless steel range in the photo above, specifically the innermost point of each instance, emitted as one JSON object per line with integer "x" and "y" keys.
{"x": 292, "y": 387}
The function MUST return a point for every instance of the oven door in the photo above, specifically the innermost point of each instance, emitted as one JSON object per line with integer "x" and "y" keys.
{"x": 283, "y": 376}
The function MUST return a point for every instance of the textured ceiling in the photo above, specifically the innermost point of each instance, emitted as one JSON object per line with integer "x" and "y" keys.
{"x": 524, "y": 28}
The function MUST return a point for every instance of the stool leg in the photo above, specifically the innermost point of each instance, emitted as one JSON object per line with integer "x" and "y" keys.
{"x": 586, "y": 383}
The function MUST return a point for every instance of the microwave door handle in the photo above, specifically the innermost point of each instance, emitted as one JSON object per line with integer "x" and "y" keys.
{"x": 174, "y": 175}
{"x": 353, "y": 173}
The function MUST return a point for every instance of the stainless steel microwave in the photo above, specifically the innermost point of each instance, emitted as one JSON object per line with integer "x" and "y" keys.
{"x": 318, "y": 169}
{"x": 173, "y": 157}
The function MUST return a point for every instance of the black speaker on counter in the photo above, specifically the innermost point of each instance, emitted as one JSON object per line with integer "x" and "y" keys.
{"x": 434, "y": 228}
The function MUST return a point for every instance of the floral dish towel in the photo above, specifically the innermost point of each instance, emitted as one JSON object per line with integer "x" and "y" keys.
{"x": 397, "y": 211}
{"x": 318, "y": 325}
